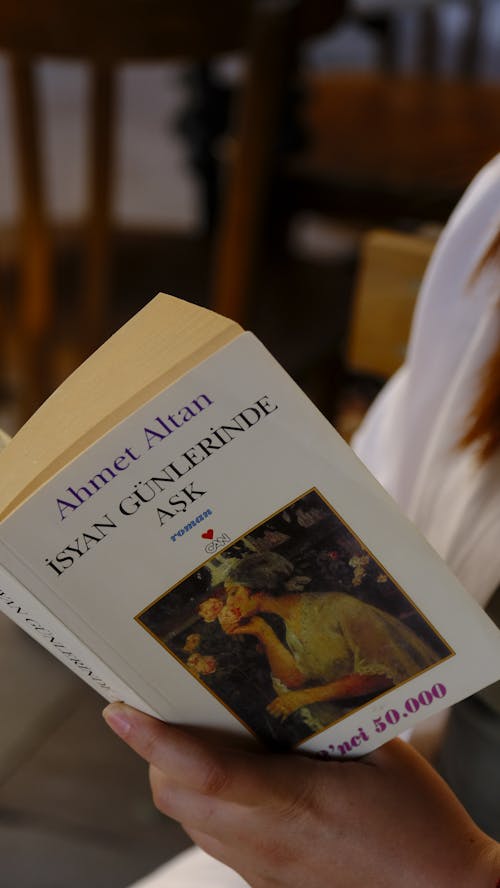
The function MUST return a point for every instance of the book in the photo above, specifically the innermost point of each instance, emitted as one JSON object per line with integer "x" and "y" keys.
{"x": 183, "y": 528}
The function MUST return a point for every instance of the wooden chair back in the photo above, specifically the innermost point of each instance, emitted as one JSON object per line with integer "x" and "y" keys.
{"x": 391, "y": 269}
{"x": 389, "y": 276}
{"x": 104, "y": 35}
{"x": 146, "y": 29}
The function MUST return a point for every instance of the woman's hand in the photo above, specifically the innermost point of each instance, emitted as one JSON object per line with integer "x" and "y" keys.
{"x": 348, "y": 686}
{"x": 286, "y": 820}
{"x": 284, "y": 705}
{"x": 231, "y": 622}
{"x": 254, "y": 626}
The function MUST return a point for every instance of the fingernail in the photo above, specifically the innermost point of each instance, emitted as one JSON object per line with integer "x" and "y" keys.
{"x": 117, "y": 717}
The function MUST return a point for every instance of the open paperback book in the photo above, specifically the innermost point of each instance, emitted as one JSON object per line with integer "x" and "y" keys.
{"x": 183, "y": 529}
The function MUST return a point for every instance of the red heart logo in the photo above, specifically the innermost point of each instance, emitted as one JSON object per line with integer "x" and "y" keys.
{"x": 208, "y": 535}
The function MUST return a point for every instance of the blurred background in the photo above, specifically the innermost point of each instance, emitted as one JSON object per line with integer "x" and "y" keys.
{"x": 287, "y": 163}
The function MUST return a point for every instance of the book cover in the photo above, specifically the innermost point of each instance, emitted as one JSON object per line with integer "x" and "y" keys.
{"x": 222, "y": 558}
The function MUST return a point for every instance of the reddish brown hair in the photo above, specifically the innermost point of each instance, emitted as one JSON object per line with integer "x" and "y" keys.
{"x": 483, "y": 426}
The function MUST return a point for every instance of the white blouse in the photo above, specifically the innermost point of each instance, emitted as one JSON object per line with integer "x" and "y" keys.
{"x": 409, "y": 437}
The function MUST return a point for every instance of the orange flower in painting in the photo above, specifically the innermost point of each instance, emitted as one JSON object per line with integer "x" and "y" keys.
{"x": 202, "y": 665}
{"x": 210, "y": 609}
{"x": 192, "y": 642}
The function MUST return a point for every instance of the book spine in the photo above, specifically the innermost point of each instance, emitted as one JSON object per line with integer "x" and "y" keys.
{"x": 18, "y": 603}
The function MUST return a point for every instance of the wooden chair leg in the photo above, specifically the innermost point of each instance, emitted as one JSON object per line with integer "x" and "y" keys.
{"x": 97, "y": 272}
{"x": 271, "y": 60}
{"x": 36, "y": 299}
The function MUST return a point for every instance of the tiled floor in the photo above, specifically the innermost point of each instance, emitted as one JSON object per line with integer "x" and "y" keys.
{"x": 75, "y": 809}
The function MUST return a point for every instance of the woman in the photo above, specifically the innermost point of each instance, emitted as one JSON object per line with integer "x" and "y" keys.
{"x": 337, "y": 648}
{"x": 433, "y": 439}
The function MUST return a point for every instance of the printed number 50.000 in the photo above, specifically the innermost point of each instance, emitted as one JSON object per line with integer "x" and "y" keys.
{"x": 412, "y": 705}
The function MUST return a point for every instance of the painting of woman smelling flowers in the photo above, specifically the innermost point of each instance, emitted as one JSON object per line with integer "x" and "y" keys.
{"x": 295, "y": 625}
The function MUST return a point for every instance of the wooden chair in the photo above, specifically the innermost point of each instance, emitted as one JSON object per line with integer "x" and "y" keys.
{"x": 391, "y": 267}
{"x": 385, "y": 147}
{"x": 390, "y": 145}
{"x": 388, "y": 148}
{"x": 278, "y": 30}
{"x": 106, "y": 35}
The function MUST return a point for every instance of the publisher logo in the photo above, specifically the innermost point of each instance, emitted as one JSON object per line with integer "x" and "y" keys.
{"x": 217, "y": 543}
